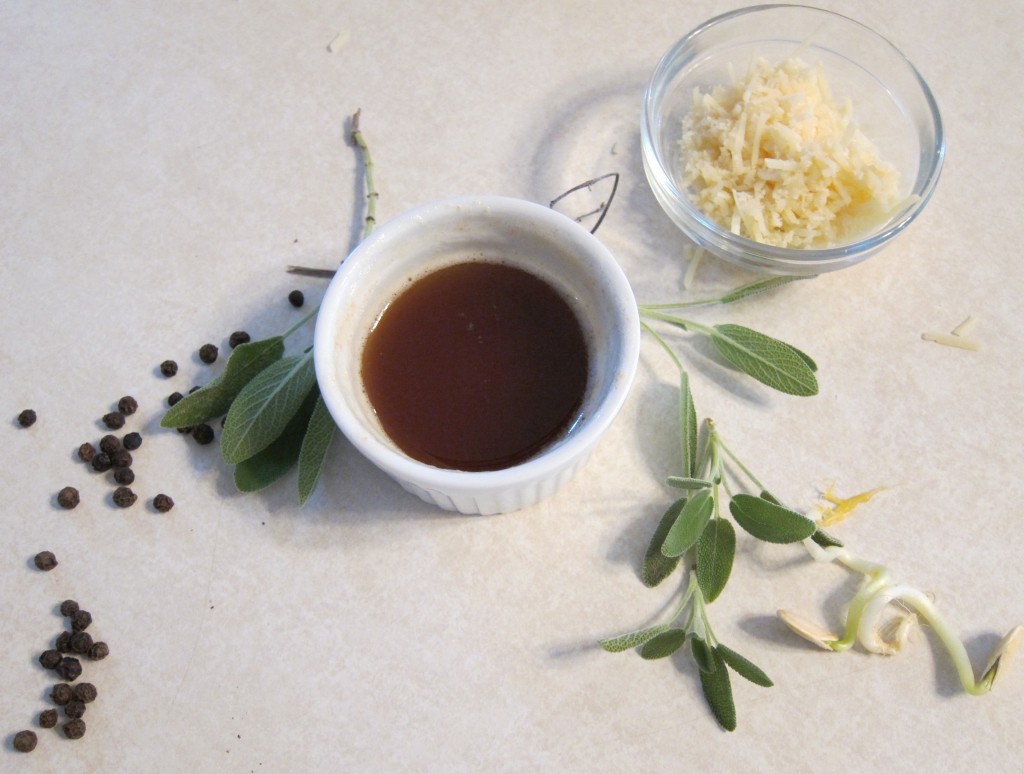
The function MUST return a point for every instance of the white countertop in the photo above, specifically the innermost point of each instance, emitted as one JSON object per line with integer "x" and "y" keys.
{"x": 162, "y": 164}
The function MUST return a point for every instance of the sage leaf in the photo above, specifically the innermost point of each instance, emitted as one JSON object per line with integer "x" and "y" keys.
{"x": 687, "y": 426}
{"x": 766, "y": 495}
{"x": 270, "y": 464}
{"x": 804, "y": 356}
{"x": 769, "y": 522}
{"x": 657, "y": 566}
{"x": 685, "y": 482}
{"x": 633, "y": 639}
{"x": 744, "y": 667}
{"x": 214, "y": 400}
{"x": 702, "y": 654}
{"x": 715, "y": 552}
{"x": 689, "y": 524}
{"x": 718, "y": 693}
{"x": 265, "y": 406}
{"x": 315, "y": 444}
{"x": 770, "y": 361}
{"x": 664, "y": 644}
{"x": 761, "y": 286}
{"x": 825, "y": 539}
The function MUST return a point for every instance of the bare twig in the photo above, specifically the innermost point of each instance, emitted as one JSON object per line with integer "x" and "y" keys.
{"x": 602, "y": 207}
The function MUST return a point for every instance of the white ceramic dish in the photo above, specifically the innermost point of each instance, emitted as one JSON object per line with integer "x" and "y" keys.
{"x": 430, "y": 237}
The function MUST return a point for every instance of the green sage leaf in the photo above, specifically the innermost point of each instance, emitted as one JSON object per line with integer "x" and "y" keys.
{"x": 687, "y": 425}
{"x": 264, "y": 407}
{"x": 825, "y": 539}
{"x": 702, "y": 654}
{"x": 761, "y": 286}
{"x": 632, "y": 639}
{"x": 685, "y": 482}
{"x": 766, "y": 495}
{"x": 689, "y": 524}
{"x": 718, "y": 693}
{"x": 715, "y": 552}
{"x": 744, "y": 667}
{"x": 657, "y": 566}
{"x": 769, "y": 522}
{"x": 270, "y": 464}
{"x": 805, "y": 357}
{"x": 315, "y": 444}
{"x": 214, "y": 400}
{"x": 664, "y": 644}
{"x": 770, "y": 361}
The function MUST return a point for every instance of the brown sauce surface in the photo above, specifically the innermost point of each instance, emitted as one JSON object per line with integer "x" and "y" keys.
{"x": 476, "y": 366}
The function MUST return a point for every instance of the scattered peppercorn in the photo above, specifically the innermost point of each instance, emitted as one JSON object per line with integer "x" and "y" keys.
{"x": 69, "y": 668}
{"x": 80, "y": 620}
{"x": 173, "y": 398}
{"x": 61, "y": 694}
{"x": 101, "y": 462}
{"x": 85, "y": 692}
{"x": 86, "y": 452}
{"x": 45, "y": 560}
{"x": 124, "y": 476}
{"x": 27, "y": 418}
{"x": 114, "y": 420}
{"x": 50, "y": 659}
{"x": 110, "y": 444}
{"x": 168, "y": 368}
{"x": 25, "y": 741}
{"x": 74, "y": 729}
{"x": 296, "y": 299}
{"x": 68, "y": 608}
{"x": 121, "y": 459}
{"x": 194, "y": 389}
{"x": 98, "y": 651}
{"x": 124, "y": 497}
{"x": 163, "y": 503}
{"x": 238, "y": 337}
{"x": 208, "y": 353}
{"x": 185, "y": 430}
{"x": 74, "y": 708}
{"x": 127, "y": 405}
{"x": 63, "y": 642}
{"x": 67, "y": 497}
{"x": 48, "y": 718}
{"x": 132, "y": 441}
{"x": 203, "y": 434}
{"x": 80, "y": 642}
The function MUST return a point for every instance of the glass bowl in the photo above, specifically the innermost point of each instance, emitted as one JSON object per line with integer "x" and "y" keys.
{"x": 892, "y": 106}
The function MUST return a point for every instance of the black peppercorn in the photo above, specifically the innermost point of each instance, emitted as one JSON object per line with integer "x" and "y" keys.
{"x": 25, "y": 741}
{"x": 124, "y": 497}
{"x": 48, "y": 718}
{"x": 74, "y": 729}
{"x": 203, "y": 434}
{"x": 114, "y": 420}
{"x": 63, "y": 642}
{"x": 173, "y": 398}
{"x": 80, "y": 620}
{"x": 194, "y": 389}
{"x": 50, "y": 659}
{"x": 61, "y": 694}
{"x": 124, "y": 476}
{"x": 85, "y": 692}
{"x": 45, "y": 560}
{"x": 86, "y": 452}
{"x": 98, "y": 651}
{"x": 68, "y": 497}
{"x": 68, "y": 608}
{"x": 168, "y": 368}
{"x": 163, "y": 503}
{"x": 101, "y": 463}
{"x": 121, "y": 459}
{"x": 186, "y": 430}
{"x": 74, "y": 708}
{"x": 208, "y": 353}
{"x": 132, "y": 441}
{"x": 238, "y": 337}
{"x": 110, "y": 444}
{"x": 296, "y": 299}
{"x": 27, "y": 418}
{"x": 69, "y": 668}
{"x": 127, "y": 405}
{"x": 80, "y": 642}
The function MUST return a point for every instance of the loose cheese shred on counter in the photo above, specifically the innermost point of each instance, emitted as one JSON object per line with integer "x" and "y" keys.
{"x": 774, "y": 158}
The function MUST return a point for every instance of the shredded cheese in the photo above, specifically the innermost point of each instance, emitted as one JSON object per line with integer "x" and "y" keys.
{"x": 774, "y": 158}
{"x": 956, "y": 338}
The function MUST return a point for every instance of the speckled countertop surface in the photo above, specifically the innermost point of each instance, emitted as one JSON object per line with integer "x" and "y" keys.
{"x": 163, "y": 162}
